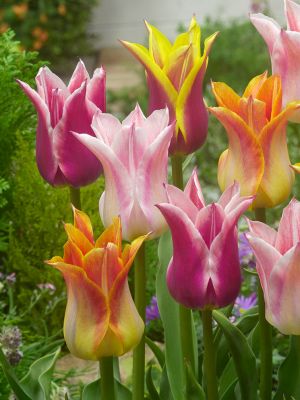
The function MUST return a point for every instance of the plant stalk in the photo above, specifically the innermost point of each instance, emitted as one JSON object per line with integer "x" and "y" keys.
{"x": 265, "y": 333}
{"x": 209, "y": 359}
{"x": 107, "y": 382}
{"x": 185, "y": 314}
{"x": 140, "y": 302}
{"x": 75, "y": 197}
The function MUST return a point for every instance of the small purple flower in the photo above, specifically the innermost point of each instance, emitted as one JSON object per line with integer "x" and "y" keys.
{"x": 152, "y": 311}
{"x": 245, "y": 251}
{"x": 47, "y": 286}
{"x": 11, "y": 279}
{"x": 244, "y": 303}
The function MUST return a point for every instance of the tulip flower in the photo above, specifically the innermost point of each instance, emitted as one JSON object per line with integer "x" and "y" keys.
{"x": 175, "y": 77}
{"x": 284, "y": 49}
{"x": 134, "y": 156}
{"x": 101, "y": 319}
{"x": 278, "y": 260}
{"x": 257, "y": 155}
{"x": 205, "y": 269}
{"x": 61, "y": 159}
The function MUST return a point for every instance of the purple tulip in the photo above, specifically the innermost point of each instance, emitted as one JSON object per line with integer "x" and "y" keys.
{"x": 61, "y": 159}
{"x": 205, "y": 269}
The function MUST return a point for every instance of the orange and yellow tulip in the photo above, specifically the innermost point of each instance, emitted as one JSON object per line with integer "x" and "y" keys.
{"x": 101, "y": 318}
{"x": 257, "y": 155}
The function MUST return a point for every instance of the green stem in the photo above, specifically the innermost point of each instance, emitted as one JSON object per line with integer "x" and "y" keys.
{"x": 107, "y": 379}
{"x": 265, "y": 333}
{"x": 75, "y": 197}
{"x": 185, "y": 314}
{"x": 209, "y": 360}
{"x": 140, "y": 302}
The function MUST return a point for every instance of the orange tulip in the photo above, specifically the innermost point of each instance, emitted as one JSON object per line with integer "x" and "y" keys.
{"x": 101, "y": 318}
{"x": 257, "y": 155}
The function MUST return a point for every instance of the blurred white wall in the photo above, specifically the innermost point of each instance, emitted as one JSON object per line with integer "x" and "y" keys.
{"x": 123, "y": 19}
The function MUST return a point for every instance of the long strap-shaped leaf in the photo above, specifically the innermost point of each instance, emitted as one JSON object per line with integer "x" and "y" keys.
{"x": 12, "y": 379}
{"x": 243, "y": 357}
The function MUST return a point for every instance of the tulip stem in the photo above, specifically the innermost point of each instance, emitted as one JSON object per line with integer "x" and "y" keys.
{"x": 265, "y": 332}
{"x": 107, "y": 382}
{"x": 185, "y": 314}
{"x": 75, "y": 197}
{"x": 140, "y": 302}
{"x": 209, "y": 358}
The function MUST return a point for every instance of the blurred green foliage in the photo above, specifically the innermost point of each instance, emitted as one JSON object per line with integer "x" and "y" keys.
{"x": 56, "y": 28}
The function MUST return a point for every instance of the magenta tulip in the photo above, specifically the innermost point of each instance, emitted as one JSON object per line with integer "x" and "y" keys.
{"x": 205, "y": 269}
{"x": 278, "y": 266}
{"x": 134, "y": 155}
{"x": 61, "y": 109}
{"x": 284, "y": 49}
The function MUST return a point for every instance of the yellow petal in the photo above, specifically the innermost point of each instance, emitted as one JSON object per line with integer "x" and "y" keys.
{"x": 159, "y": 45}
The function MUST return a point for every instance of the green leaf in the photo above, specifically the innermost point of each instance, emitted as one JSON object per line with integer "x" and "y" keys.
{"x": 164, "y": 390}
{"x": 12, "y": 379}
{"x": 156, "y": 351}
{"x": 243, "y": 357}
{"x": 37, "y": 382}
{"x": 289, "y": 373}
{"x": 169, "y": 312}
{"x": 227, "y": 380}
{"x": 92, "y": 391}
{"x": 150, "y": 385}
{"x": 195, "y": 391}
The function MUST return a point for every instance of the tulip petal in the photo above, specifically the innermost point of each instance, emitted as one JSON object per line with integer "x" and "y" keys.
{"x": 87, "y": 315}
{"x": 286, "y": 63}
{"x": 191, "y": 114}
{"x": 162, "y": 92}
{"x": 77, "y": 163}
{"x": 136, "y": 117}
{"x": 266, "y": 257}
{"x": 79, "y": 238}
{"x": 227, "y": 195}
{"x": 83, "y": 223}
{"x": 225, "y": 96}
{"x": 46, "y": 161}
{"x": 255, "y": 85}
{"x": 118, "y": 184}
{"x": 283, "y": 311}
{"x": 289, "y": 227}
{"x": 111, "y": 234}
{"x": 189, "y": 251}
{"x": 159, "y": 45}
{"x": 79, "y": 76}
{"x": 292, "y": 13}
{"x": 72, "y": 254}
{"x": 271, "y": 94}
{"x": 225, "y": 271}
{"x": 209, "y": 222}
{"x": 152, "y": 172}
{"x": 152, "y": 126}
{"x": 267, "y": 27}
{"x": 179, "y": 64}
{"x": 278, "y": 177}
{"x": 96, "y": 89}
{"x": 105, "y": 127}
{"x": 262, "y": 231}
{"x": 130, "y": 251}
{"x": 243, "y": 161}
{"x": 193, "y": 190}
{"x": 180, "y": 199}
{"x": 47, "y": 82}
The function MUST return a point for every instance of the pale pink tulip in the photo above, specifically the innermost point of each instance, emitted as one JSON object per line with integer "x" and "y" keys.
{"x": 284, "y": 49}
{"x": 278, "y": 266}
{"x": 205, "y": 269}
{"x": 134, "y": 155}
{"x": 61, "y": 109}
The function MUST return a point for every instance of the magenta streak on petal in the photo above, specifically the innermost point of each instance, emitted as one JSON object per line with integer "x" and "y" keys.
{"x": 209, "y": 222}
{"x": 79, "y": 76}
{"x": 96, "y": 89}
{"x": 193, "y": 190}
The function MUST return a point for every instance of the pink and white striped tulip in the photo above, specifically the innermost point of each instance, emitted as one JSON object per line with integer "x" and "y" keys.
{"x": 284, "y": 49}
{"x": 61, "y": 109}
{"x": 278, "y": 266}
{"x": 205, "y": 269}
{"x": 134, "y": 155}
